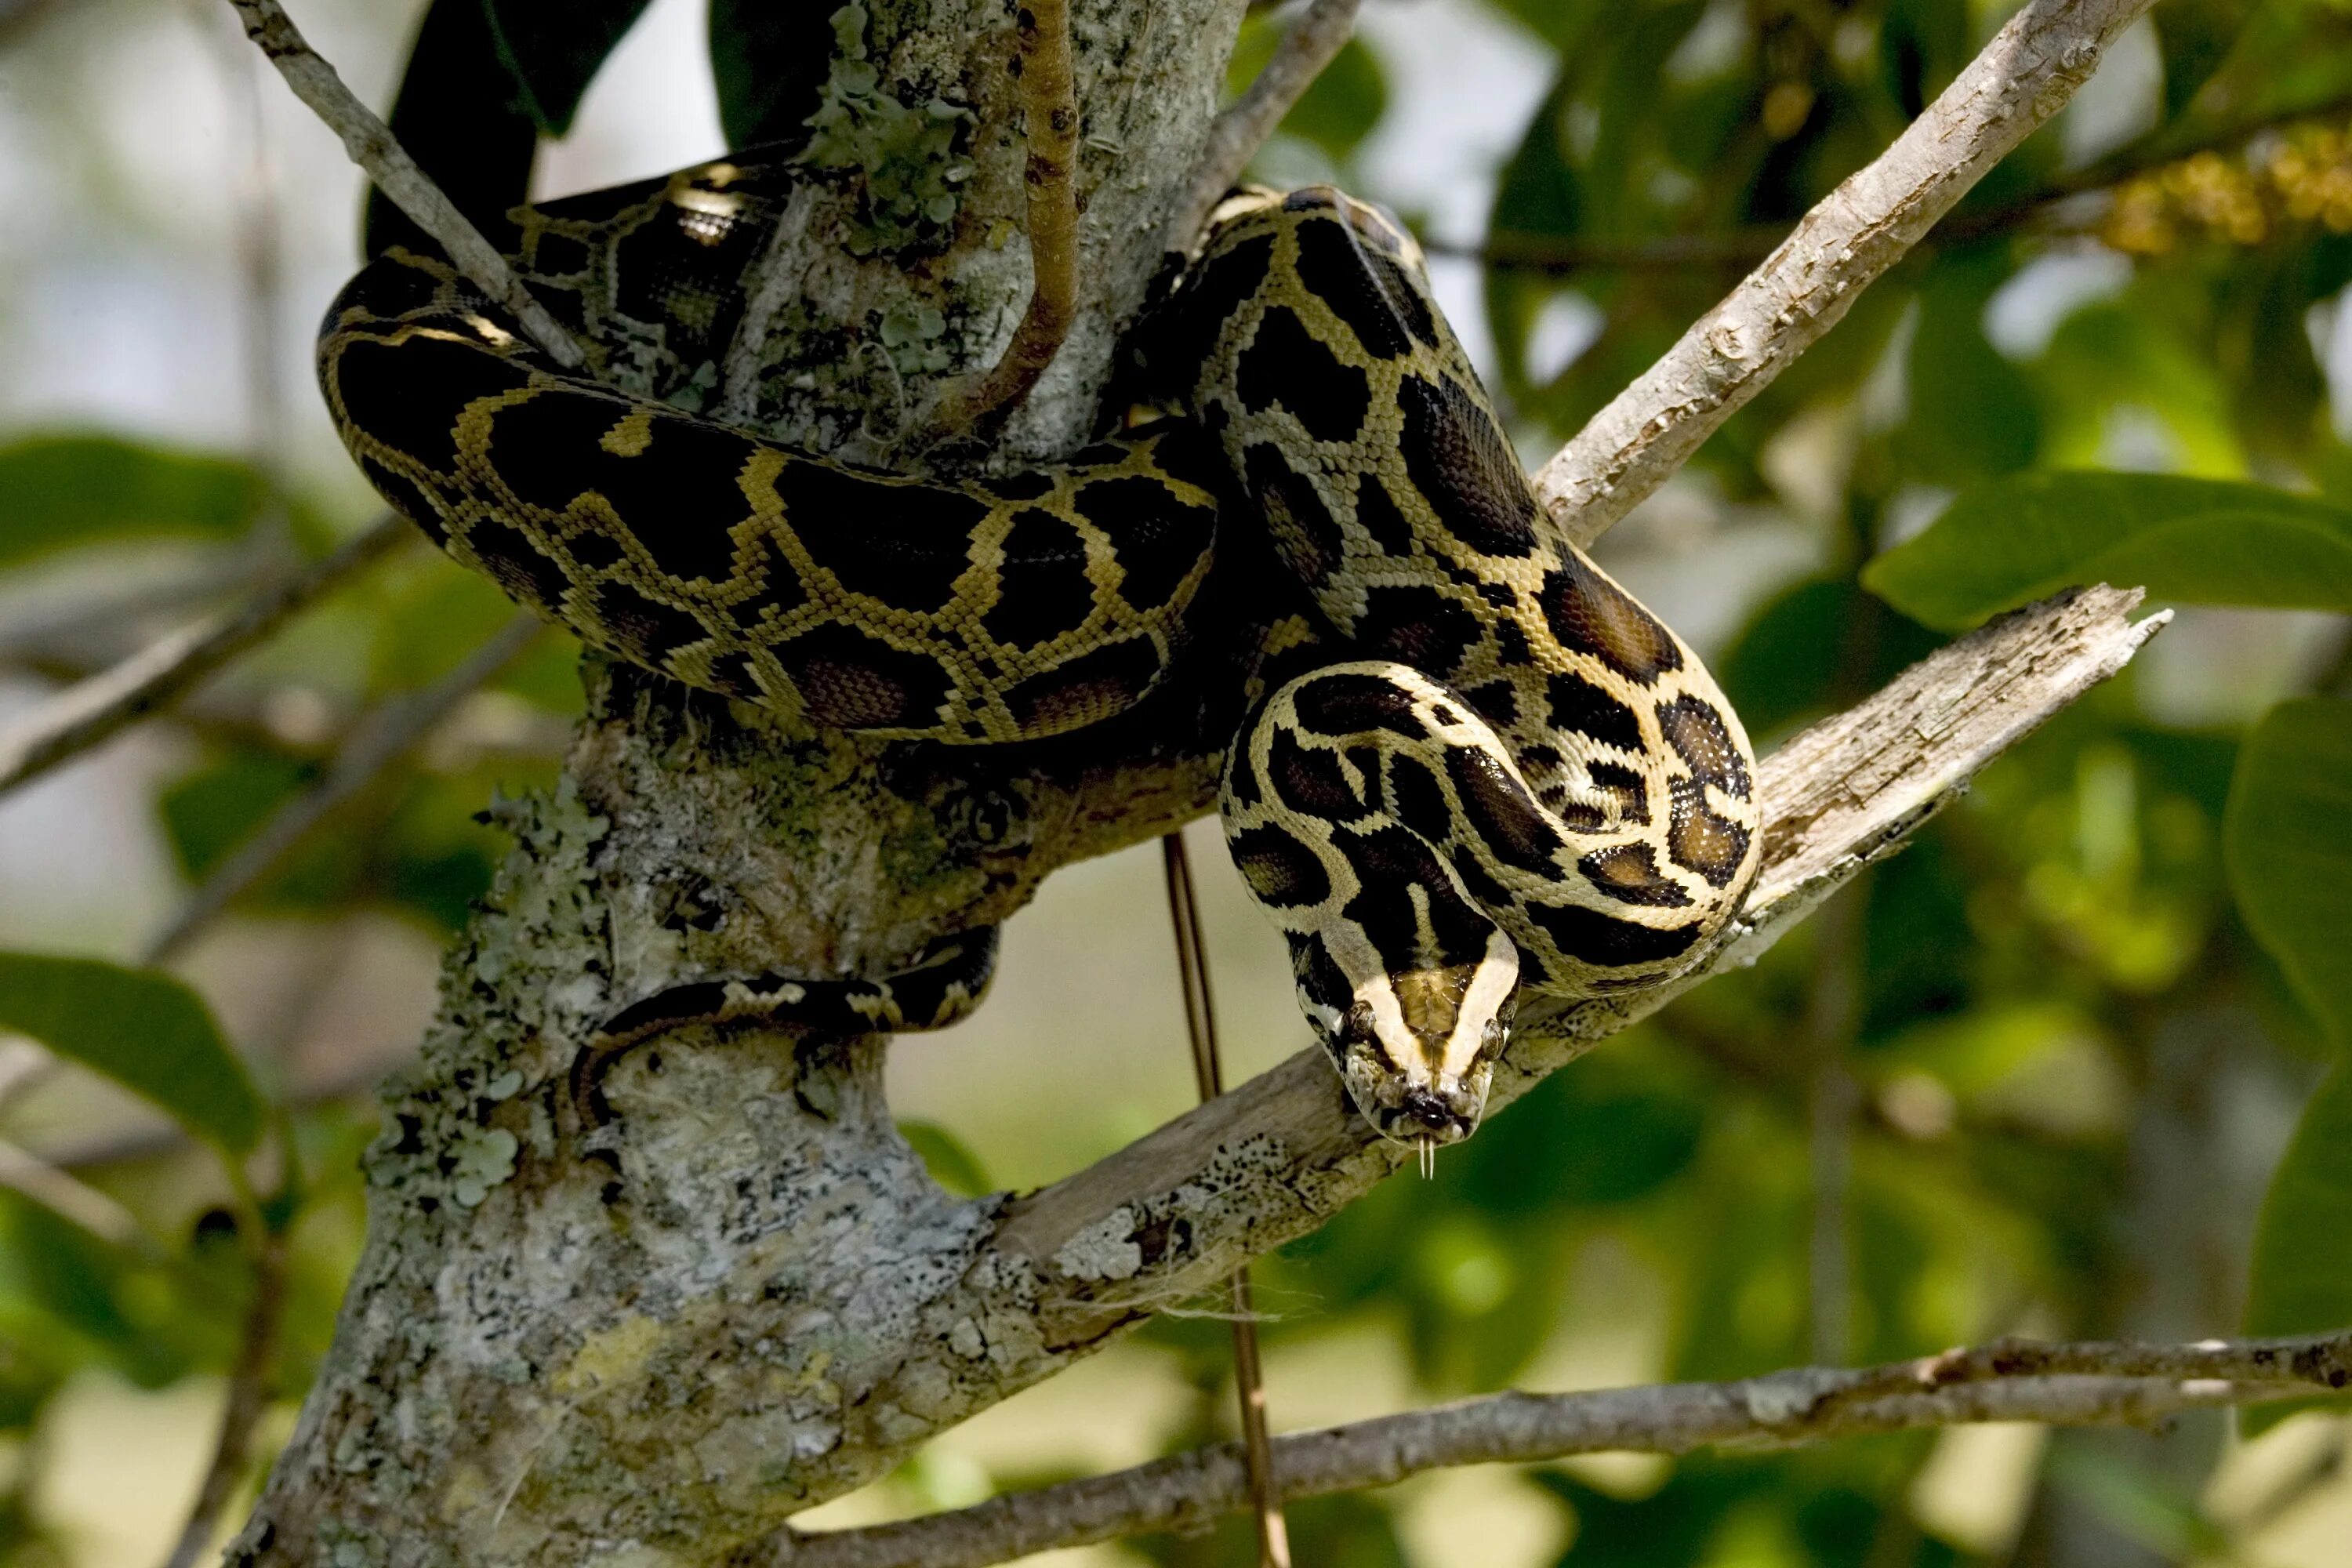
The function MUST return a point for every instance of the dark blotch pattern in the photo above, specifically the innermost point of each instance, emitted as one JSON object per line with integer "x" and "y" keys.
{"x": 1629, "y": 873}
{"x": 856, "y": 682}
{"x": 1605, "y": 941}
{"x": 1377, "y": 514}
{"x": 1287, "y": 364}
{"x": 1697, "y": 837}
{"x": 1334, "y": 266}
{"x": 1309, "y": 780}
{"x": 1160, "y": 539}
{"x": 407, "y": 500}
{"x": 1418, "y": 800}
{"x": 1048, "y": 595}
{"x": 1418, "y": 318}
{"x": 1391, "y": 864}
{"x": 1215, "y": 295}
{"x": 1094, "y": 685}
{"x": 1302, "y": 524}
{"x": 409, "y": 396}
{"x": 1497, "y": 702}
{"x": 1417, "y": 626}
{"x": 1628, "y": 806}
{"x": 1591, "y": 615}
{"x": 1501, "y": 812}
{"x": 1579, "y": 705}
{"x": 1279, "y": 870}
{"x": 903, "y": 545}
{"x": 593, "y": 550}
{"x": 644, "y": 627}
{"x": 1465, "y": 469}
{"x": 1694, "y": 729}
{"x": 1351, "y": 703}
{"x": 519, "y": 567}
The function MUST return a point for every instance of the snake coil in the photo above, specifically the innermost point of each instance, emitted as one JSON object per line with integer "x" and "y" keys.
{"x": 1474, "y": 766}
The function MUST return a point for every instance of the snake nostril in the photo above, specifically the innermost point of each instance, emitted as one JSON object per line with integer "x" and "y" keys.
{"x": 1427, "y": 1108}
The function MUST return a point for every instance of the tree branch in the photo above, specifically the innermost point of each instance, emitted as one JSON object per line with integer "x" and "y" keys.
{"x": 1049, "y": 104}
{"x": 1850, "y": 237}
{"x": 1169, "y": 1216}
{"x": 2062, "y": 1384}
{"x": 1321, "y": 31}
{"x": 248, "y": 1397}
{"x": 371, "y": 144}
{"x": 379, "y": 740}
{"x": 94, "y": 709}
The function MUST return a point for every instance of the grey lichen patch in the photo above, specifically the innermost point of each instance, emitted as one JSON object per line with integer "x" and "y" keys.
{"x": 904, "y": 141}
{"x": 530, "y": 970}
{"x": 1106, "y": 1249}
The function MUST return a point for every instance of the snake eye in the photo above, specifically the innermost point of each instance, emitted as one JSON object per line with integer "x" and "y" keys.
{"x": 1359, "y": 1021}
{"x": 1497, "y": 1034}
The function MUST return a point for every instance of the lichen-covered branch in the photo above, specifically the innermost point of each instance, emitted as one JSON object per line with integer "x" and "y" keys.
{"x": 378, "y": 740}
{"x": 101, "y": 705}
{"x": 1851, "y": 236}
{"x": 652, "y": 1341}
{"x": 2061, "y": 1385}
{"x": 372, "y": 145}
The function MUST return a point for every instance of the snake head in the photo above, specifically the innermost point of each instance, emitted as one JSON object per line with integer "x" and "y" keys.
{"x": 1417, "y": 1048}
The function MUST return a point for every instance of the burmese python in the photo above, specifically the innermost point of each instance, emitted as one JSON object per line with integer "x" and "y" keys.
{"x": 1476, "y": 765}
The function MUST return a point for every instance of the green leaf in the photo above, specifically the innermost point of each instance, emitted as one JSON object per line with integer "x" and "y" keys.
{"x": 1972, "y": 413}
{"x": 2202, "y": 541}
{"x": 466, "y": 120}
{"x": 770, "y": 63}
{"x": 144, "y": 1030}
{"x": 2302, "y": 1280}
{"x": 553, "y": 48}
{"x": 2288, "y": 839}
{"x": 57, "y": 491}
{"x": 952, "y": 1165}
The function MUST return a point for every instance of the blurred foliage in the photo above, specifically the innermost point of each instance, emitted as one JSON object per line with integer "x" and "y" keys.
{"x": 2120, "y": 959}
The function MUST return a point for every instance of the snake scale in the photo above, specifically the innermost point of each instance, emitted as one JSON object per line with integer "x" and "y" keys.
{"x": 1477, "y": 768}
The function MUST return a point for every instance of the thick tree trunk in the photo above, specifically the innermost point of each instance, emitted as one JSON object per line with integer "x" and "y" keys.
{"x": 652, "y": 1343}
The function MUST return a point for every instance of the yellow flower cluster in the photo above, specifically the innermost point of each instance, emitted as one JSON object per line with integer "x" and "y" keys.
{"x": 2301, "y": 175}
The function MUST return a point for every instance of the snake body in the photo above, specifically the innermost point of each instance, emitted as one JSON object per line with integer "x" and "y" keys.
{"x": 1477, "y": 768}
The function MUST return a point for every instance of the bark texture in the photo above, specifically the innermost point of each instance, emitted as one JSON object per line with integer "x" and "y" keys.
{"x": 649, "y": 1342}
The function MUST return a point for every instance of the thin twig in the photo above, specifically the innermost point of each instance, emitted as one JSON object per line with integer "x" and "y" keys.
{"x": 1049, "y": 103}
{"x": 1745, "y": 246}
{"x": 248, "y": 1396}
{"x": 1849, "y": 239}
{"x": 371, "y": 144}
{"x": 1829, "y": 1116}
{"x": 82, "y": 715}
{"x": 1313, "y": 42}
{"x": 1208, "y": 1073}
{"x": 62, "y": 1193}
{"x": 2068, "y": 1384}
{"x": 377, "y": 742}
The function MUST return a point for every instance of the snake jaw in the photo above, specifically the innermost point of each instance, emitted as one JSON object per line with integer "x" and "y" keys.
{"x": 1417, "y": 1051}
